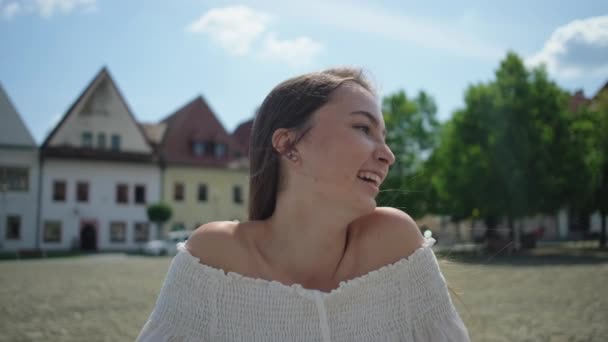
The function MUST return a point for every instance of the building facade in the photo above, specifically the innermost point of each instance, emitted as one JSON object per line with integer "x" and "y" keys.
{"x": 99, "y": 172}
{"x": 204, "y": 168}
{"x": 18, "y": 180}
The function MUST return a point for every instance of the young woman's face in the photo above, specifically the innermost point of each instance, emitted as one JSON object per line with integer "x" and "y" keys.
{"x": 345, "y": 151}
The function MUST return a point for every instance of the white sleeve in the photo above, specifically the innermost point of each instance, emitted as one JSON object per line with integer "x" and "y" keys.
{"x": 185, "y": 307}
{"x": 434, "y": 317}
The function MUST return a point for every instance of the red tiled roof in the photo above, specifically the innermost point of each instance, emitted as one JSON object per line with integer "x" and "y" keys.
{"x": 195, "y": 122}
{"x": 242, "y": 135}
{"x": 577, "y": 101}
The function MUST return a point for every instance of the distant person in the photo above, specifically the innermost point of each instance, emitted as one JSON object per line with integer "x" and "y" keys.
{"x": 317, "y": 260}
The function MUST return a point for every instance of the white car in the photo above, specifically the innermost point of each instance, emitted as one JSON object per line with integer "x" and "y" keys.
{"x": 167, "y": 246}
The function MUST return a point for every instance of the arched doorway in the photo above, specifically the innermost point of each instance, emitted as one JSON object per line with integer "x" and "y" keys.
{"x": 88, "y": 237}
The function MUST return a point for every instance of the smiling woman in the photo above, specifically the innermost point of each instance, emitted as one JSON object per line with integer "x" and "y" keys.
{"x": 317, "y": 260}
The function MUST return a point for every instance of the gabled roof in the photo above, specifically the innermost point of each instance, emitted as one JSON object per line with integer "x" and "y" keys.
{"x": 242, "y": 135}
{"x": 154, "y": 132}
{"x": 101, "y": 79}
{"x": 101, "y": 76}
{"x": 195, "y": 122}
{"x": 12, "y": 128}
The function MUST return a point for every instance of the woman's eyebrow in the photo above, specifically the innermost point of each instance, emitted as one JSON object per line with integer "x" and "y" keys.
{"x": 370, "y": 117}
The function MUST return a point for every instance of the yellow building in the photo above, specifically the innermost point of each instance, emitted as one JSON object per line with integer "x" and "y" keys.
{"x": 204, "y": 169}
{"x": 199, "y": 195}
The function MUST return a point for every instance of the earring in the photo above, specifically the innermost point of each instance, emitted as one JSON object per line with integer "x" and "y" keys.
{"x": 291, "y": 156}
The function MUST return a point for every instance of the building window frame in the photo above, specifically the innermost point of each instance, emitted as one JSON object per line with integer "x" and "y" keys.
{"x": 101, "y": 140}
{"x": 141, "y": 232}
{"x": 237, "y": 194}
{"x": 118, "y": 231}
{"x": 86, "y": 139}
{"x": 15, "y": 179}
{"x": 220, "y": 150}
{"x": 139, "y": 194}
{"x": 115, "y": 142}
{"x": 82, "y": 192}
{"x": 60, "y": 190}
{"x": 13, "y": 227}
{"x": 52, "y": 231}
{"x": 203, "y": 192}
{"x": 122, "y": 193}
{"x": 179, "y": 191}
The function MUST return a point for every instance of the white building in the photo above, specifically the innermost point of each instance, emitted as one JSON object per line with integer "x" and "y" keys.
{"x": 98, "y": 173}
{"x": 18, "y": 180}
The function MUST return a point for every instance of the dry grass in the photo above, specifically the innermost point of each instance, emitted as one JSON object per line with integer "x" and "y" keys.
{"x": 109, "y": 297}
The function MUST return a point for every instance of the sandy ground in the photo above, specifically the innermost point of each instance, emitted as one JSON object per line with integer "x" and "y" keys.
{"x": 109, "y": 297}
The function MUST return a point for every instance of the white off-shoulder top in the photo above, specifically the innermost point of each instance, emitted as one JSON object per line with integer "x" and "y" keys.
{"x": 404, "y": 301}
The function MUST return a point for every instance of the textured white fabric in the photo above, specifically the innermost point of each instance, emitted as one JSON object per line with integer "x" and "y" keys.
{"x": 404, "y": 301}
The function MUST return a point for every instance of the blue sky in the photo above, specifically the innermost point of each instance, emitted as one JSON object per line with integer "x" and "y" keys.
{"x": 164, "y": 53}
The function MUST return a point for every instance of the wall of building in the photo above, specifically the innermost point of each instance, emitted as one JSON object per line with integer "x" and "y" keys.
{"x": 22, "y": 204}
{"x": 102, "y": 208}
{"x": 219, "y": 205}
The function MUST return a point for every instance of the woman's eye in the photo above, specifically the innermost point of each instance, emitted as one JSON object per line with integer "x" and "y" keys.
{"x": 363, "y": 128}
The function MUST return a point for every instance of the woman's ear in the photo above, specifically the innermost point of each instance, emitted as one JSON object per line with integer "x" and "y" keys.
{"x": 283, "y": 142}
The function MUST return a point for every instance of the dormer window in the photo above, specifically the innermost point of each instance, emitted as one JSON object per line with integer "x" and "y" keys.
{"x": 220, "y": 150}
{"x": 101, "y": 140}
{"x": 87, "y": 139}
{"x": 198, "y": 148}
{"x": 115, "y": 142}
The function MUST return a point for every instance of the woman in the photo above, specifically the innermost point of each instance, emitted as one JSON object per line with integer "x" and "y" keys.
{"x": 318, "y": 261}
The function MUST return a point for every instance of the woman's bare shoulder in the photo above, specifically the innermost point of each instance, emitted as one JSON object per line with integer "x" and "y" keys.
{"x": 385, "y": 236}
{"x": 221, "y": 245}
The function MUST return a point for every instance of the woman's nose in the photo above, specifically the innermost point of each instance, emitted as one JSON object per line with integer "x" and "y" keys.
{"x": 385, "y": 155}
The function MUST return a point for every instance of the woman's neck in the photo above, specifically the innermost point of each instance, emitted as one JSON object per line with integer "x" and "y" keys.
{"x": 305, "y": 240}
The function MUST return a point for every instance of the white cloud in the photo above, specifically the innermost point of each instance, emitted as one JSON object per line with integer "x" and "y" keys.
{"x": 295, "y": 52}
{"x": 9, "y": 10}
{"x": 233, "y": 28}
{"x": 410, "y": 29}
{"x": 45, "y": 8}
{"x": 576, "y": 49}
{"x": 243, "y": 31}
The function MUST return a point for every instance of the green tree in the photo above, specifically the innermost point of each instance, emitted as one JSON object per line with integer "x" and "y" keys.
{"x": 501, "y": 155}
{"x": 597, "y": 160}
{"x": 412, "y": 128}
{"x": 159, "y": 213}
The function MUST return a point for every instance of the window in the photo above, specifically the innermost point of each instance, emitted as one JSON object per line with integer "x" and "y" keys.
{"x": 122, "y": 193}
{"x": 220, "y": 150}
{"x": 82, "y": 192}
{"x": 202, "y": 192}
{"x": 87, "y": 139}
{"x": 52, "y": 231}
{"x": 118, "y": 231}
{"x": 13, "y": 227}
{"x": 59, "y": 191}
{"x": 178, "y": 192}
{"x": 14, "y": 179}
{"x": 141, "y": 232}
{"x": 101, "y": 140}
{"x": 140, "y": 194}
{"x": 237, "y": 194}
{"x": 115, "y": 142}
{"x": 198, "y": 148}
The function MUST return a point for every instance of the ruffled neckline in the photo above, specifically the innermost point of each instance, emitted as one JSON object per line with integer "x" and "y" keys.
{"x": 427, "y": 244}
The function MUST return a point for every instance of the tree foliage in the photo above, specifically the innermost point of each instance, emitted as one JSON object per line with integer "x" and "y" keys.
{"x": 412, "y": 127}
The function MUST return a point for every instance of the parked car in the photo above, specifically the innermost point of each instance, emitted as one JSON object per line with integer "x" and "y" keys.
{"x": 167, "y": 246}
